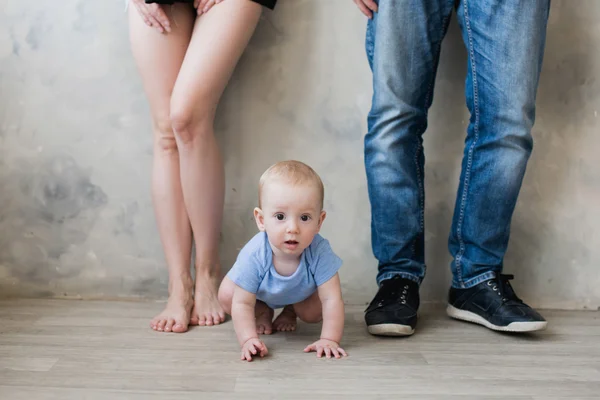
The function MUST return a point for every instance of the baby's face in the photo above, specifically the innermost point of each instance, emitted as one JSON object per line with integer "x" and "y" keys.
{"x": 291, "y": 216}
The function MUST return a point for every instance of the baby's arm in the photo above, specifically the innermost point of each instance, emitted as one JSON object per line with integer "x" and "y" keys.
{"x": 330, "y": 294}
{"x": 242, "y": 313}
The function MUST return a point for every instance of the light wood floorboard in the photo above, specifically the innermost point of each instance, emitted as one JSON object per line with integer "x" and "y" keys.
{"x": 61, "y": 349}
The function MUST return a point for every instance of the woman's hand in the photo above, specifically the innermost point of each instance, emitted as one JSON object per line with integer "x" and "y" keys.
{"x": 202, "y": 6}
{"x": 153, "y": 15}
{"x": 367, "y": 7}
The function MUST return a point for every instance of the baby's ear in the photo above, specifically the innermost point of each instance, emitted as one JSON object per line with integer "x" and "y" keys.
{"x": 260, "y": 219}
{"x": 322, "y": 218}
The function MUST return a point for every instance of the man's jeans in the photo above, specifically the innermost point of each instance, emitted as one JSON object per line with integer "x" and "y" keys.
{"x": 505, "y": 44}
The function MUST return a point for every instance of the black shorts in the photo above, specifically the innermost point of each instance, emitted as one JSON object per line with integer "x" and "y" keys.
{"x": 267, "y": 3}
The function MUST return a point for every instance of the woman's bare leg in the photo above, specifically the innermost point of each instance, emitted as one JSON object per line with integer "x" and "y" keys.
{"x": 218, "y": 40}
{"x": 159, "y": 58}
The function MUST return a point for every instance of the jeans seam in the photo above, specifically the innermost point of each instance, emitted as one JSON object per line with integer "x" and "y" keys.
{"x": 416, "y": 161}
{"x": 467, "y": 177}
{"x": 438, "y": 47}
{"x": 370, "y": 42}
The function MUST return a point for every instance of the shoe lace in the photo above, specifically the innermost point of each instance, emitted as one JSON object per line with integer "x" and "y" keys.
{"x": 503, "y": 288}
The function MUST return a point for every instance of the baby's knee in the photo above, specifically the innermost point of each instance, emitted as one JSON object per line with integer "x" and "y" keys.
{"x": 310, "y": 315}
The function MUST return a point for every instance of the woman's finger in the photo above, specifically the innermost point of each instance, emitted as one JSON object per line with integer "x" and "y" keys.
{"x": 143, "y": 13}
{"x": 159, "y": 15}
{"x": 208, "y": 6}
{"x": 370, "y": 4}
{"x": 201, "y": 4}
{"x": 363, "y": 8}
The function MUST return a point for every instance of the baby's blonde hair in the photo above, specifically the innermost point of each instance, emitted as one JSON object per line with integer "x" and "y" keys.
{"x": 291, "y": 171}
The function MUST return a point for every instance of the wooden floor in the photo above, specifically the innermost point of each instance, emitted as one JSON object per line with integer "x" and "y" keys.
{"x": 59, "y": 349}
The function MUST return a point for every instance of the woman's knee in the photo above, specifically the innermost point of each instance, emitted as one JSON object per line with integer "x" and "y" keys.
{"x": 191, "y": 122}
{"x": 164, "y": 138}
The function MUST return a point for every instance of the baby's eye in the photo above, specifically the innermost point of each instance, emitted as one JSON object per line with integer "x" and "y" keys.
{"x": 279, "y": 216}
{"x": 305, "y": 218}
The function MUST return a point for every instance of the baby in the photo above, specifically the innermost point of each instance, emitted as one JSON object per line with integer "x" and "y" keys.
{"x": 286, "y": 265}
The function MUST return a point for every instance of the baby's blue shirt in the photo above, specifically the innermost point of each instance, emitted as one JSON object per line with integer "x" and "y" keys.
{"x": 254, "y": 271}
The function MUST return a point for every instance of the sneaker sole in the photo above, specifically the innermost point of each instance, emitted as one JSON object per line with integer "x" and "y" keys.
{"x": 468, "y": 316}
{"x": 390, "y": 330}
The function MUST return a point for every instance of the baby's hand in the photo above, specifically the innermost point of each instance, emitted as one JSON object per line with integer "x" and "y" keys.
{"x": 326, "y": 346}
{"x": 253, "y": 346}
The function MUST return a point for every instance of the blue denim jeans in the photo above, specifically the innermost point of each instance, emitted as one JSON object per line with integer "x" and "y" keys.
{"x": 505, "y": 42}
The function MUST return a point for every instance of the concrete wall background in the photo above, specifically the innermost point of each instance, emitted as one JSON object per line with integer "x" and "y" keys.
{"x": 76, "y": 217}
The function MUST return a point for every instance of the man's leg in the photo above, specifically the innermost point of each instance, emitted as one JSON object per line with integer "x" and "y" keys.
{"x": 403, "y": 45}
{"x": 505, "y": 41}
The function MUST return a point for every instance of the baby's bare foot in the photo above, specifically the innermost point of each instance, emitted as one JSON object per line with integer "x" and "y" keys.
{"x": 176, "y": 315}
{"x": 264, "y": 318}
{"x": 286, "y": 321}
{"x": 207, "y": 311}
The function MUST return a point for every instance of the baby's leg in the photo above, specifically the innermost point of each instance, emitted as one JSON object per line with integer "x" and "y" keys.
{"x": 262, "y": 312}
{"x": 308, "y": 310}
{"x": 286, "y": 321}
{"x": 225, "y": 295}
{"x": 264, "y": 318}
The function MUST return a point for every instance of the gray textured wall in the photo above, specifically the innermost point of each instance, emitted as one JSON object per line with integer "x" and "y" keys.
{"x": 75, "y": 150}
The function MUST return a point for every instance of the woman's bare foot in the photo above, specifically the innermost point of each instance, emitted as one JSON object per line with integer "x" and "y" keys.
{"x": 176, "y": 315}
{"x": 264, "y": 317}
{"x": 207, "y": 311}
{"x": 286, "y": 321}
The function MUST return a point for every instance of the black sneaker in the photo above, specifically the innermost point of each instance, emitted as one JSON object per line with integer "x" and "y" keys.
{"x": 495, "y": 305}
{"x": 393, "y": 311}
